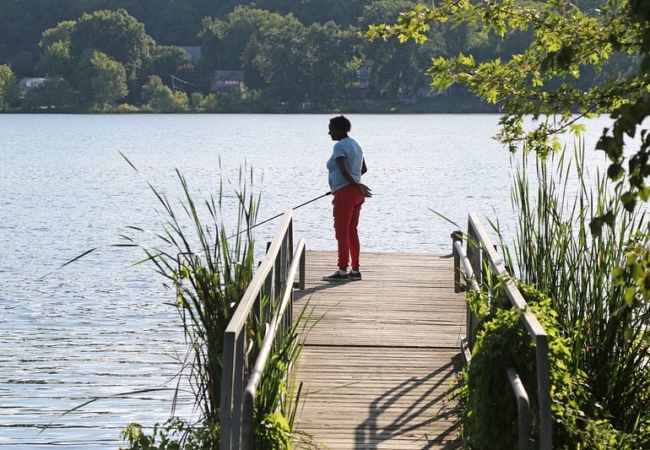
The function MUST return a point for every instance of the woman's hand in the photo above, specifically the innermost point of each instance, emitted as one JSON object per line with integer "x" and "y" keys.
{"x": 365, "y": 190}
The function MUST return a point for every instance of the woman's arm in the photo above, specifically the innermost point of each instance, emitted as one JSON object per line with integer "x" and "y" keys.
{"x": 365, "y": 190}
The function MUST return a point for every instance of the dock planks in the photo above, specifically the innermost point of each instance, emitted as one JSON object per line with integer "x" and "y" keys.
{"x": 378, "y": 368}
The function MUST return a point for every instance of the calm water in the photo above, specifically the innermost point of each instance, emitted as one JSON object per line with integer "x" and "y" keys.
{"x": 99, "y": 326}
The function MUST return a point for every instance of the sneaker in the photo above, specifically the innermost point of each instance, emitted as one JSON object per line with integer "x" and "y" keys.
{"x": 336, "y": 276}
{"x": 354, "y": 276}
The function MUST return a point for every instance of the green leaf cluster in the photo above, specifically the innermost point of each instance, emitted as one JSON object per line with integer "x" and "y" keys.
{"x": 8, "y": 88}
{"x": 546, "y": 78}
{"x": 175, "y": 434}
{"x": 502, "y": 342}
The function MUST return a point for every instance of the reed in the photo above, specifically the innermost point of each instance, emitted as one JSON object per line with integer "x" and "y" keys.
{"x": 598, "y": 304}
{"x": 208, "y": 267}
{"x": 208, "y": 274}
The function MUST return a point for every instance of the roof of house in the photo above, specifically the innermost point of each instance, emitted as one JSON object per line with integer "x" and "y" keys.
{"x": 194, "y": 52}
{"x": 226, "y": 80}
{"x": 30, "y": 82}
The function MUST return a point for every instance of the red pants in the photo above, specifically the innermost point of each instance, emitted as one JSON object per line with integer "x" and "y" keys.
{"x": 347, "y": 207}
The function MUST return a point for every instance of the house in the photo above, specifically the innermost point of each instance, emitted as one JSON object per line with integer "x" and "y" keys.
{"x": 224, "y": 81}
{"x": 28, "y": 83}
{"x": 193, "y": 52}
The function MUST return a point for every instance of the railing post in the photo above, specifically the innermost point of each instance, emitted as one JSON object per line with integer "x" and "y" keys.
{"x": 303, "y": 269}
{"x": 523, "y": 407}
{"x": 474, "y": 251}
{"x": 456, "y": 236}
{"x": 274, "y": 279}
{"x": 544, "y": 389}
{"x": 225, "y": 415}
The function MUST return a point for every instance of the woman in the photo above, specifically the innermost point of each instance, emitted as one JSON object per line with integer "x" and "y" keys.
{"x": 346, "y": 165}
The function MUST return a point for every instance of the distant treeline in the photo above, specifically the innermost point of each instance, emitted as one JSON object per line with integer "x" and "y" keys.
{"x": 103, "y": 54}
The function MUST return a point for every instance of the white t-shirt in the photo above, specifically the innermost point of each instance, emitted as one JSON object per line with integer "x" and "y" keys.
{"x": 349, "y": 149}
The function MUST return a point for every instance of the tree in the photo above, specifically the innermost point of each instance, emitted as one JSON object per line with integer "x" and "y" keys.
{"x": 278, "y": 53}
{"x": 224, "y": 41}
{"x": 540, "y": 81}
{"x": 211, "y": 36}
{"x": 204, "y": 104}
{"x": 103, "y": 80}
{"x": 167, "y": 60}
{"x": 342, "y": 12}
{"x": 159, "y": 97}
{"x": 543, "y": 81}
{"x": 117, "y": 35}
{"x": 24, "y": 64}
{"x": 331, "y": 61}
{"x": 8, "y": 88}
{"x": 398, "y": 68}
{"x": 287, "y": 56}
{"x": 253, "y": 60}
{"x": 55, "y": 58}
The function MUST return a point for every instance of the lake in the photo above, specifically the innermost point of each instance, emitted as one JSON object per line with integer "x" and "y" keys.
{"x": 101, "y": 326}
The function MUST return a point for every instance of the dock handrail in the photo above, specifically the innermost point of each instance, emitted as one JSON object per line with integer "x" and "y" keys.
{"x": 274, "y": 277}
{"x": 480, "y": 246}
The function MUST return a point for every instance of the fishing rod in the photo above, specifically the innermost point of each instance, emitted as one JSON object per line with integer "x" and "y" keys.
{"x": 276, "y": 216}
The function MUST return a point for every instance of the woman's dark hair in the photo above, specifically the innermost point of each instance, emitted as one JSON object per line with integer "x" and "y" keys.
{"x": 342, "y": 123}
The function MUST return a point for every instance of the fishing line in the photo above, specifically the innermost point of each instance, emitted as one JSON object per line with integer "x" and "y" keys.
{"x": 276, "y": 216}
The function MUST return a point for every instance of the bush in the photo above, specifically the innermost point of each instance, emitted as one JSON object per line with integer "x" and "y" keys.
{"x": 502, "y": 342}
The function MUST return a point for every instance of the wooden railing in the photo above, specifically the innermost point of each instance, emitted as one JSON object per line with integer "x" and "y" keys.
{"x": 480, "y": 258}
{"x": 272, "y": 285}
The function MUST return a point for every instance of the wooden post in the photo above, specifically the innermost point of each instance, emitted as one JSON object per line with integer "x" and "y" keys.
{"x": 456, "y": 236}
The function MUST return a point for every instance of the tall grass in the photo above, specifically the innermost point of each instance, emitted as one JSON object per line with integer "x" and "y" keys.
{"x": 207, "y": 267}
{"x": 556, "y": 252}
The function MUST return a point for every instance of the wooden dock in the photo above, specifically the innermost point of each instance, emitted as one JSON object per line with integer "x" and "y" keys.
{"x": 379, "y": 367}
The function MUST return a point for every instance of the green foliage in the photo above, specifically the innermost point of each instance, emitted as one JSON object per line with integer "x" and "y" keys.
{"x": 55, "y": 58}
{"x": 54, "y": 94}
{"x": 114, "y": 33}
{"x": 594, "y": 282}
{"x": 542, "y": 79}
{"x": 159, "y": 98}
{"x": 590, "y": 297}
{"x": 634, "y": 274}
{"x": 273, "y": 432}
{"x": 24, "y": 63}
{"x": 276, "y": 405}
{"x": 8, "y": 88}
{"x": 208, "y": 282}
{"x": 203, "y": 104}
{"x": 166, "y": 61}
{"x": 175, "y": 434}
{"x": 126, "y": 108}
{"x": 253, "y": 64}
{"x": 108, "y": 80}
{"x": 209, "y": 269}
{"x": 95, "y": 65}
{"x": 291, "y": 53}
{"x": 503, "y": 342}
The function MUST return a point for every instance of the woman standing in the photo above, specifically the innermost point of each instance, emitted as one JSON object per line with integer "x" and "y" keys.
{"x": 346, "y": 165}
